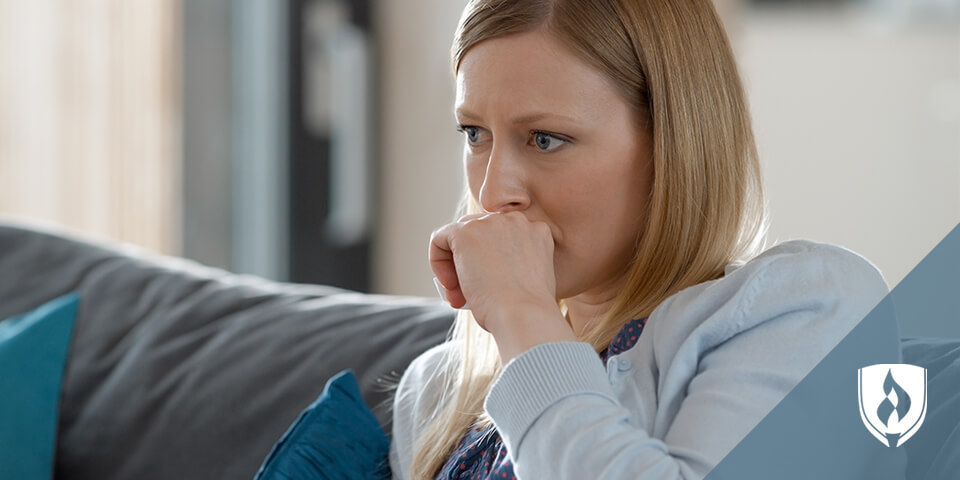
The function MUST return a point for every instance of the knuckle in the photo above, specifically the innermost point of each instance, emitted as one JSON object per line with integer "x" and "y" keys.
{"x": 440, "y": 232}
{"x": 443, "y": 233}
{"x": 544, "y": 231}
{"x": 468, "y": 229}
{"x": 470, "y": 217}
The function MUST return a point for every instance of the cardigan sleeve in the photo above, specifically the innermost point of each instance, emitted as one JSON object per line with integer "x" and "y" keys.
{"x": 418, "y": 397}
{"x": 745, "y": 342}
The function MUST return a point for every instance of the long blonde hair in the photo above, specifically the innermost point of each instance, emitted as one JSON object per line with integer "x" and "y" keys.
{"x": 672, "y": 61}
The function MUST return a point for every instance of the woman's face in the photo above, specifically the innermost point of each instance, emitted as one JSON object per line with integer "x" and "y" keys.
{"x": 550, "y": 136}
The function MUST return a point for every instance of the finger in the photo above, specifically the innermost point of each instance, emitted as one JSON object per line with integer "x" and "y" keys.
{"x": 443, "y": 266}
{"x": 453, "y": 298}
{"x": 441, "y": 257}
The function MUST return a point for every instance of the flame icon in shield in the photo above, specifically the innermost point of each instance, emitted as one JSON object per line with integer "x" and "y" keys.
{"x": 893, "y": 401}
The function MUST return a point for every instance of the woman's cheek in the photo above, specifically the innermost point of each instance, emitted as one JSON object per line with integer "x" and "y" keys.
{"x": 475, "y": 170}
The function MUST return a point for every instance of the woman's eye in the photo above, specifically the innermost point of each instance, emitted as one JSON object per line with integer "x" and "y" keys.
{"x": 546, "y": 142}
{"x": 472, "y": 133}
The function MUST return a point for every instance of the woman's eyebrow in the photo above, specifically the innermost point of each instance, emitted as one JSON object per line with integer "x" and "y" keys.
{"x": 522, "y": 119}
{"x": 466, "y": 114}
{"x": 535, "y": 117}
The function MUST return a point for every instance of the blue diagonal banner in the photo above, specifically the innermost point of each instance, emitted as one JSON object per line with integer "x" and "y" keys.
{"x": 818, "y": 431}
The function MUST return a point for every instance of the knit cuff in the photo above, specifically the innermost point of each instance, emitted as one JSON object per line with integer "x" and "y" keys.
{"x": 537, "y": 379}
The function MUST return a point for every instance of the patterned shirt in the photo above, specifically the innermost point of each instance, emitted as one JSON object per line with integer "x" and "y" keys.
{"x": 481, "y": 455}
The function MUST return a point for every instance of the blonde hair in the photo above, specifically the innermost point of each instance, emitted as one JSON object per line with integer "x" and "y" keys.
{"x": 672, "y": 61}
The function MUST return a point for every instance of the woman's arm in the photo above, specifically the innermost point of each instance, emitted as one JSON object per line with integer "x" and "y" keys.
{"x": 726, "y": 355}
{"x": 418, "y": 397}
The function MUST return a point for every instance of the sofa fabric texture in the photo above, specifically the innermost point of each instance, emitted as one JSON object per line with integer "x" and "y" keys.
{"x": 177, "y": 370}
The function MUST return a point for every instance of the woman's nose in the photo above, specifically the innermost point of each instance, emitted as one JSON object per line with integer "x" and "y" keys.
{"x": 504, "y": 186}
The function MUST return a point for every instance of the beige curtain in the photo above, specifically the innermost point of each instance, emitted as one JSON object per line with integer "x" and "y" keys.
{"x": 89, "y": 117}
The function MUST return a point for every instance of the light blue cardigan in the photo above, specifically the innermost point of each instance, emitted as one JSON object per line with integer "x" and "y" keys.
{"x": 712, "y": 361}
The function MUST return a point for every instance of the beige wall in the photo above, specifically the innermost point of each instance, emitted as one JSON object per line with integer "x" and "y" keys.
{"x": 858, "y": 124}
{"x": 857, "y": 120}
{"x": 89, "y": 119}
{"x": 421, "y": 179}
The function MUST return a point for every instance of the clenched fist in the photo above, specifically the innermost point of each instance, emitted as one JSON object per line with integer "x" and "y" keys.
{"x": 503, "y": 266}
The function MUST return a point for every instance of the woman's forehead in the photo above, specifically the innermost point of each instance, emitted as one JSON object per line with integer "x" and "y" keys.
{"x": 531, "y": 74}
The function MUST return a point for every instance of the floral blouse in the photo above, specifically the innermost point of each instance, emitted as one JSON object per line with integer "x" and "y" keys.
{"x": 481, "y": 454}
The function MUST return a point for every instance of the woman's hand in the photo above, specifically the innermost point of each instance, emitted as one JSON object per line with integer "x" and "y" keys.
{"x": 502, "y": 265}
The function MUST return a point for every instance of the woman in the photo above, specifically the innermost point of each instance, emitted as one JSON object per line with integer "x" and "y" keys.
{"x": 613, "y": 190}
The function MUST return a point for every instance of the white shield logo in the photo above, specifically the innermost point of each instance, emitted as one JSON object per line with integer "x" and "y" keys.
{"x": 893, "y": 401}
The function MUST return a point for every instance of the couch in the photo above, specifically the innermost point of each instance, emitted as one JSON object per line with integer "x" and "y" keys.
{"x": 177, "y": 370}
{"x": 180, "y": 371}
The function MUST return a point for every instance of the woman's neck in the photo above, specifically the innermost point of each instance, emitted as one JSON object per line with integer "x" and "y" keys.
{"x": 584, "y": 310}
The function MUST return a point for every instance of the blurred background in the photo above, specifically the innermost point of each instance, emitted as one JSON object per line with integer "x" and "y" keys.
{"x": 314, "y": 141}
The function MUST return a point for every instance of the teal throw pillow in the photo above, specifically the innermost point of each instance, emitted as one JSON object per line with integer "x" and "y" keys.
{"x": 33, "y": 353}
{"x": 336, "y": 437}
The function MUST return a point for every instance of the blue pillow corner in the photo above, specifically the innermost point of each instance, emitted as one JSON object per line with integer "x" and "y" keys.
{"x": 337, "y": 436}
{"x": 34, "y": 349}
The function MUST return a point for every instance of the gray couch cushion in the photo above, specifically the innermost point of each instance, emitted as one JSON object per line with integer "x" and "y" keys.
{"x": 182, "y": 371}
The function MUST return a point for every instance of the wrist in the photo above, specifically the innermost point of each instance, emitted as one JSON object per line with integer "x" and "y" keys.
{"x": 523, "y": 326}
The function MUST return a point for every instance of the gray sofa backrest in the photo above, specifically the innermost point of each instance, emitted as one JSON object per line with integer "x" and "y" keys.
{"x": 177, "y": 370}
